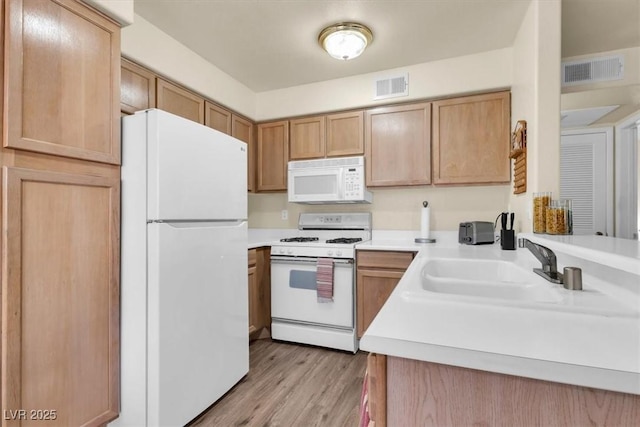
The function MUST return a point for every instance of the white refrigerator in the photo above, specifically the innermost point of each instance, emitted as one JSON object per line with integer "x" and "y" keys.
{"x": 184, "y": 297}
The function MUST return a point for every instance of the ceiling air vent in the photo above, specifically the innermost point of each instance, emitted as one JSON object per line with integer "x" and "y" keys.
{"x": 392, "y": 87}
{"x": 592, "y": 70}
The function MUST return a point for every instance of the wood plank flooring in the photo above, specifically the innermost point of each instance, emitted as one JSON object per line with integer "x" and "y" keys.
{"x": 292, "y": 385}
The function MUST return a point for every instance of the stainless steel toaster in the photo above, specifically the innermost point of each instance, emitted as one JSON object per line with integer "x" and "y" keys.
{"x": 476, "y": 233}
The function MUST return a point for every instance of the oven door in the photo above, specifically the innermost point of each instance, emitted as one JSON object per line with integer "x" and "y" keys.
{"x": 315, "y": 185}
{"x": 294, "y": 294}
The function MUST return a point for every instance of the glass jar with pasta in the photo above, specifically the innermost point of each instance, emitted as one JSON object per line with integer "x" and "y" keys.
{"x": 558, "y": 217}
{"x": 540, "y": 204}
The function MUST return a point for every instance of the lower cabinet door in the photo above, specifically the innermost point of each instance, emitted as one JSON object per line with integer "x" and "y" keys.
{"x": 60, "y": 305}
{"x": 254, "y": 301}
{"x": 373, "y": 289}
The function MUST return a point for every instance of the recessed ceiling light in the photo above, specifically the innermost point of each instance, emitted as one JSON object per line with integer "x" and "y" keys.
{"x": 345, "y": 40}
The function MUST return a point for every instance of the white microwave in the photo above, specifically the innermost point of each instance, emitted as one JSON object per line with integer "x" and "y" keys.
{"x": 326, "y": 181}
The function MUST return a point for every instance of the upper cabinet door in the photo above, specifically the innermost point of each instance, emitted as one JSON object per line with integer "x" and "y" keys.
{"x": 217, "y": 117}
{"x": 137, "y": 88}
{"x": 397, "y": 145}
{"x": 273, "y": 155}
{"x": 179, "y": 101}
{"x": 345, "y": 134}
{"x": 471, "y": 139}
{"x": 243, "y": 130}
{"x": 62, "y": 80}
{"x": 307, "y": 138}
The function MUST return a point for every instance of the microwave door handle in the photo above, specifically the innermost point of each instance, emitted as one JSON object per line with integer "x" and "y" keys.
{"x": 341, "y": 184}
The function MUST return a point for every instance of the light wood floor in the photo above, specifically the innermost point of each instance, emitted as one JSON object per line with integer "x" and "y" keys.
{"x": 292, "y": 385}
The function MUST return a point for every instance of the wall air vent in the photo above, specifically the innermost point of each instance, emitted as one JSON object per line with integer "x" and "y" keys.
{"x": 592, "y": 70}
{"x": 392, "y": 87}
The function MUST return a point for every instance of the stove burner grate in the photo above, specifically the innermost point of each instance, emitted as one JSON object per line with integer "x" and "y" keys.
{"x": 345, "y": 240}
{"x": 300, "y": 239}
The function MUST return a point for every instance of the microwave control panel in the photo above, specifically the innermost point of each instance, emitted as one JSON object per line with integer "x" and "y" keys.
{"x": 353, "y": 182}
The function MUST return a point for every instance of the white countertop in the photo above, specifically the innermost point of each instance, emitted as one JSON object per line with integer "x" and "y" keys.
{"x": 401, "y": 240}
{"x": 259, "y": 237}
{"x": 392, "y": 240}
{"x": 623, "y": 254}
{"x": 590, "y": 338}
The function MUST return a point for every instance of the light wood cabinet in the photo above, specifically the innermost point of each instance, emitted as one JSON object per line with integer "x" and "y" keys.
{"x": 307, "y": 138}
{"x": 255, "y": 318}
{"x": 471, "y": 139}
{"x": 397, "y": 145}
{"x": 217, "y": 117}
{"x": 179, "y": 101}
{"x": 332, "y": 135}
{"x": 59, "y": 91}
{"x": 377, "y": 389}
{"x": 242, "y": 129}
{"x": 60, "y": 295}
{"x": 345, "y": 134}
{"x": 377, "y": 274}
{"x": 272, "y": 156}
{"x": 137, "y": 88}
{"x": 414, "y": 390}
{"x": 60, "y": 213}
{"x": 259, "y": 273}
{"x": 263, "y": 272}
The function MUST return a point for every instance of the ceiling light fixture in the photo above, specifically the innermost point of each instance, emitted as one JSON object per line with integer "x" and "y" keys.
{"x": 345, "y": 40}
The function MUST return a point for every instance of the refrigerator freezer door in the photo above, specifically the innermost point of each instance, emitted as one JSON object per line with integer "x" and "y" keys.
{"x": 197, "y": 313}
{"x": 194, "y": 172}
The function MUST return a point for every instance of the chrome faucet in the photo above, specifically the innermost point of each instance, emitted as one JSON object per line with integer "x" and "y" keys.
{"x": 546, "y": 256}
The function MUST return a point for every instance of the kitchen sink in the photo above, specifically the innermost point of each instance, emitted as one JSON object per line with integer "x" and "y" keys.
{"x": 475, "y": 269}
{"x": 486, "y": 279}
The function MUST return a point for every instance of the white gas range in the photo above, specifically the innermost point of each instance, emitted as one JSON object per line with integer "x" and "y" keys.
{"x": 297, "y": 315}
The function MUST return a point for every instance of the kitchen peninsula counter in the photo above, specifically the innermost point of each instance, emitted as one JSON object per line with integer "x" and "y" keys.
{"x": 593, "y": 346}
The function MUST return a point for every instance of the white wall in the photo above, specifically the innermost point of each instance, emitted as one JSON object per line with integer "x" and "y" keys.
{"x": 394, "y": 208}
{"x": 148, "y": 45}
{"x": 470, "y": 73}
{"x": 536, "y": 99}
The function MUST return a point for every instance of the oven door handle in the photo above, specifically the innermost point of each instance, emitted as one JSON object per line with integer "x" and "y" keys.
{"x": 297, "y": 260}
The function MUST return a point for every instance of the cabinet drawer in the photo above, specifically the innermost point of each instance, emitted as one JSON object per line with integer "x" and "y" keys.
{"x": 384, "y": 259}
{"x": 252, "y": 257}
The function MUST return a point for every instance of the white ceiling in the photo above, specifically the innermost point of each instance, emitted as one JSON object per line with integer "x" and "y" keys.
{"x": 272, "y": 44}
{"x": 584, "y": 117}
{"x": 592, "y": 26}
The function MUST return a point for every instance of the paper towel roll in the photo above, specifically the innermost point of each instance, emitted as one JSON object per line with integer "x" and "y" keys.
{"x": 424, "y": 223}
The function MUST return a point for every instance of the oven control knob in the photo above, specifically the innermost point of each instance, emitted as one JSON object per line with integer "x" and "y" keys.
{"x": 338, "y": 253}
{"x": 329, "y": 253}
{"x": 289, "y": 251}
{"x": 281, "y": 251}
